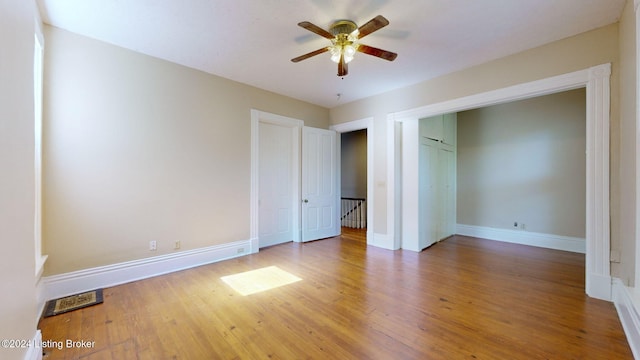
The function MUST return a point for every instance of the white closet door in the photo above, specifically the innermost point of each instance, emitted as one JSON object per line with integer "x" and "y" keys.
{"x": 320, "y": 217}
{"x": 447, "y": 163}
{"x": 428, "y": 193}
{"x": 275, "y": 184}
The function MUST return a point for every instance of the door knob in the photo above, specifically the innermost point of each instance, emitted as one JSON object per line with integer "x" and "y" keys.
{"x": 305, "y": 201}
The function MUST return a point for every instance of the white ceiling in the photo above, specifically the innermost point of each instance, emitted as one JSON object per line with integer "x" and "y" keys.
{"x": 252, "y": 41}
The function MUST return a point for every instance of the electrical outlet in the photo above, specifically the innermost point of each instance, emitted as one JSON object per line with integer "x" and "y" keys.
{"x": 153, "y": 245}
{"x": 176, "y": 245}
{"x": 522, "y": 226}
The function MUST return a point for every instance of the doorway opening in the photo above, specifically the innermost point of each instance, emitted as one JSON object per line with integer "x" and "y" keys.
{"x": 353, "y": 179}
{"x": 522, "y": 171}
{"x": 596, "y": 80}
{"x": 278, "y": 139}
{"x": 365, "y": 129}
{"x": 294, "y": 181}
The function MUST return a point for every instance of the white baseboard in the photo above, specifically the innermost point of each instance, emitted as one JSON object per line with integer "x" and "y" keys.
{"x": 255, "y": 245}
{"x": 599, "y": 286}
{"x": 41, "y": 297}
{"x": 549, "y": 241}
{"x": 35, "y": 349}
{"x": 627, "y": 302}
{"x": 61, "y": 285}
{"x": 380, "y": 240}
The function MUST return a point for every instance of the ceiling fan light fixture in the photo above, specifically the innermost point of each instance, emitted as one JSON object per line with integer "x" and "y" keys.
{"x": 348, "y": 51}
{"x": 335, "y": 53}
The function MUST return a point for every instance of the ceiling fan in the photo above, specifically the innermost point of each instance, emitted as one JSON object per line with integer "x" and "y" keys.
{"x": 344, "y": 36}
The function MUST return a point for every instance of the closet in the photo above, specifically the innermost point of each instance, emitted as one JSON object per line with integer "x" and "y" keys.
{"x": 437, "y": 179}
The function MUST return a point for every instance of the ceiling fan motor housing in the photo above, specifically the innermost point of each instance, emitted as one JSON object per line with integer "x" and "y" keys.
{"x": 343, "y": 27}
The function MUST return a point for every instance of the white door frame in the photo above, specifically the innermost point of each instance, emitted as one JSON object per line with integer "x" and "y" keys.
{"x": 596, "y": 80}
{"x": 363, "y": 124}
{"x": 296, "y": 128}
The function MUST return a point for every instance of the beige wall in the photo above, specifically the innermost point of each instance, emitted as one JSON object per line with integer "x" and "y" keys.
{"x": 87, "y": 78}
{"x": 139, "y": 149}
{"x": 524, "y": 162}
{"x": 623, "y": 217}
{"x": 18, "y": 313}
{"x": 575, "y": 53}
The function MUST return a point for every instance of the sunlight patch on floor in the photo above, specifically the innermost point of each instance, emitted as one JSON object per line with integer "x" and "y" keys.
{"x": 255, "y": 281}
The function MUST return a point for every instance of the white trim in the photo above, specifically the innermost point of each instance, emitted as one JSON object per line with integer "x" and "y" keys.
{"x": 353, "y": 125}
{"x": 253, "y": 192}
{"x": 56, "y": 286}
{"x": 38, "y": 85}
{"x": 549, "y": 241}
{"x": 394, "y": 176}
{"x": 382, "y": 241}
{"x": 570, "y": 81}
{"x": 597, "y": 82}
{"x": 41, "y": 296}
{"x": 410, "y": 185}
{"x": 296, "y": 130}
{"x": 255, "y": 245}
{"x": 34, "y": 351}
{"x": 40, "y": 260}
{"x": 364, "y": 124}
{"x": 598, "y": 265}
{"x": 627, "y": 303}
{"x": 38, "y": 27}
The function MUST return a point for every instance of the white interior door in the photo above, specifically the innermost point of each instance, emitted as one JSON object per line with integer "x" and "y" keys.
{"x": 275, "y": 184}
{"x": 447, "y": 172}
{"x": 428, "y": 193}
{"x": 320, "y": 216}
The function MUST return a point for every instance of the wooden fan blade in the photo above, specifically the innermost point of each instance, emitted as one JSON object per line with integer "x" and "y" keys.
{"x": 383, "y": 54}
{"x": 342, "y": 66}
{"x": 316, "y": 29}
{"x": 308, "y": 55}
{"x": 374, "y": 24}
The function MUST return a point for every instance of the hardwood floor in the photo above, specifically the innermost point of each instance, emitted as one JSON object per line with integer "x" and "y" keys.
{"x": 461, "y": 298}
